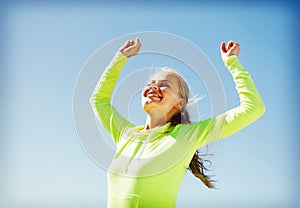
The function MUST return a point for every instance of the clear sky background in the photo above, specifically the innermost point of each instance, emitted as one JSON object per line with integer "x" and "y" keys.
{"x": 45, "y": 45}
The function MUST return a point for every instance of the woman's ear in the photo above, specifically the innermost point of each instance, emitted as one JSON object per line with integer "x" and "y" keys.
{"x": 182, "y": 103}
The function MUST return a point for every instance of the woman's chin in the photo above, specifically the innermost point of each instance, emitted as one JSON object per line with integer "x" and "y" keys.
{"x": 149, "y": 105}
{"x": 150, "y": 100}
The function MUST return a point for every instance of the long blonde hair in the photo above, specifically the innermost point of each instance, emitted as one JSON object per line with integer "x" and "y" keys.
{"x": 196, "y": 165}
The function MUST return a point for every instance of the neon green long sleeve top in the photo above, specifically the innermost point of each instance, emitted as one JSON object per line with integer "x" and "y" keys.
{"x": 149, "y": 165}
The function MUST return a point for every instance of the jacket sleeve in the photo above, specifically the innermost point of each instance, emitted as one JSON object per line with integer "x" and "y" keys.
{"x": 110, "y": 119}
{"x": 251, "y": 106}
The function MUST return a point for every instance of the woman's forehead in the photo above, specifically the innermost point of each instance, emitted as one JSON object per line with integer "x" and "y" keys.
{"x": 164, "y": 75}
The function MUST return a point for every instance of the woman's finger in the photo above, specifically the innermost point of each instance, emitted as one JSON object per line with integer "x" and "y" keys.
{"x": 139, "y": 46}
{"x": 223, "y": 47}
{"x": 126, "y": 44}
{"x": 138, "y": 42}
{"x": 230, "y": 45}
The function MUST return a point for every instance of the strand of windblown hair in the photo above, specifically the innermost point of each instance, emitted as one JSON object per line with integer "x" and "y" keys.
{"x": 198, "y": 169}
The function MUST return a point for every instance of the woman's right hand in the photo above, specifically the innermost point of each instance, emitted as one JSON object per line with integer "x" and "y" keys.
{"x": 131, "y": 47}
{"x": 232, "y": 48}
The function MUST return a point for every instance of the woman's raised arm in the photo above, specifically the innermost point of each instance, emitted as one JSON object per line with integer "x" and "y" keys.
{"x": 251, "y": 106}
{"x": 111, "y": 120}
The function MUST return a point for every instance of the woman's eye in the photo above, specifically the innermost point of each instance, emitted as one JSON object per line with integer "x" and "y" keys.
{"x": 160, "y": 85}
{"x": 163, "y": 85}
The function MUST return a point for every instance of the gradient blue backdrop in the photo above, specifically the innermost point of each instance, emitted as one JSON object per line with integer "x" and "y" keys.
{"x": 44, "y": 46}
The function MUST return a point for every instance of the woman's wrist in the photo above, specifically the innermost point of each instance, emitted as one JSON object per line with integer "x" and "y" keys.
{"x": 230, "y": 59}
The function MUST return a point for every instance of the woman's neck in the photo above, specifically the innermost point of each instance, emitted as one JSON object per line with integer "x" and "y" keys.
{"x": 157, "y": 118}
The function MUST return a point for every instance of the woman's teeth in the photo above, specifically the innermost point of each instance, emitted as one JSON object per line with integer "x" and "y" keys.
{"x": 154, "y": 95}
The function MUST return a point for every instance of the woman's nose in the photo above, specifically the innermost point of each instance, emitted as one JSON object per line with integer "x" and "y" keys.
{"x": 154, "y": 87}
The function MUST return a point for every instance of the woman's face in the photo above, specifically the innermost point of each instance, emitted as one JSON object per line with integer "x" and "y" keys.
{"x": 162, "y": 93}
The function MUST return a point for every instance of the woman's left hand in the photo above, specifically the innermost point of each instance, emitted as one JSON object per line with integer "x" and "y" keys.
{"x": 232, "y": 48}
{"x": 131, "y": 47}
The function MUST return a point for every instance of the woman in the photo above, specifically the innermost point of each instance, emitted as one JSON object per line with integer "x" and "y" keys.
{"x": 151, "y": 160}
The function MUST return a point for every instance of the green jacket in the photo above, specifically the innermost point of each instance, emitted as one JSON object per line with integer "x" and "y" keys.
{"x": 149, "y": 165}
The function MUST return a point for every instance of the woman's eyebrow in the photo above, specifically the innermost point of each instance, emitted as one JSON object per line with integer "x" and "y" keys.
{"x": 165, "y": 80}
{"x": 160, "y": 81}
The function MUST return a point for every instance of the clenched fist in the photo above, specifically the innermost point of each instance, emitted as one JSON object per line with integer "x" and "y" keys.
{"x": 131, "y": 47}
{"x": 232, "y": 48}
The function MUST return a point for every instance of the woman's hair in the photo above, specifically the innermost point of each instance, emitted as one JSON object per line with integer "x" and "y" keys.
{"x": 196, "y": 165}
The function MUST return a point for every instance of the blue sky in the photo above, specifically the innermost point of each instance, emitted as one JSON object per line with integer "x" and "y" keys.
{"x": 45, "y": 46}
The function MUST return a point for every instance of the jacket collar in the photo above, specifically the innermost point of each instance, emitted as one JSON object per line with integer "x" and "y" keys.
{"x": 161, "y": 129}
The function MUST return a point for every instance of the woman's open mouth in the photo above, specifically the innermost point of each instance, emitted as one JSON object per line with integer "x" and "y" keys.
{"x": 154, "y": 96}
